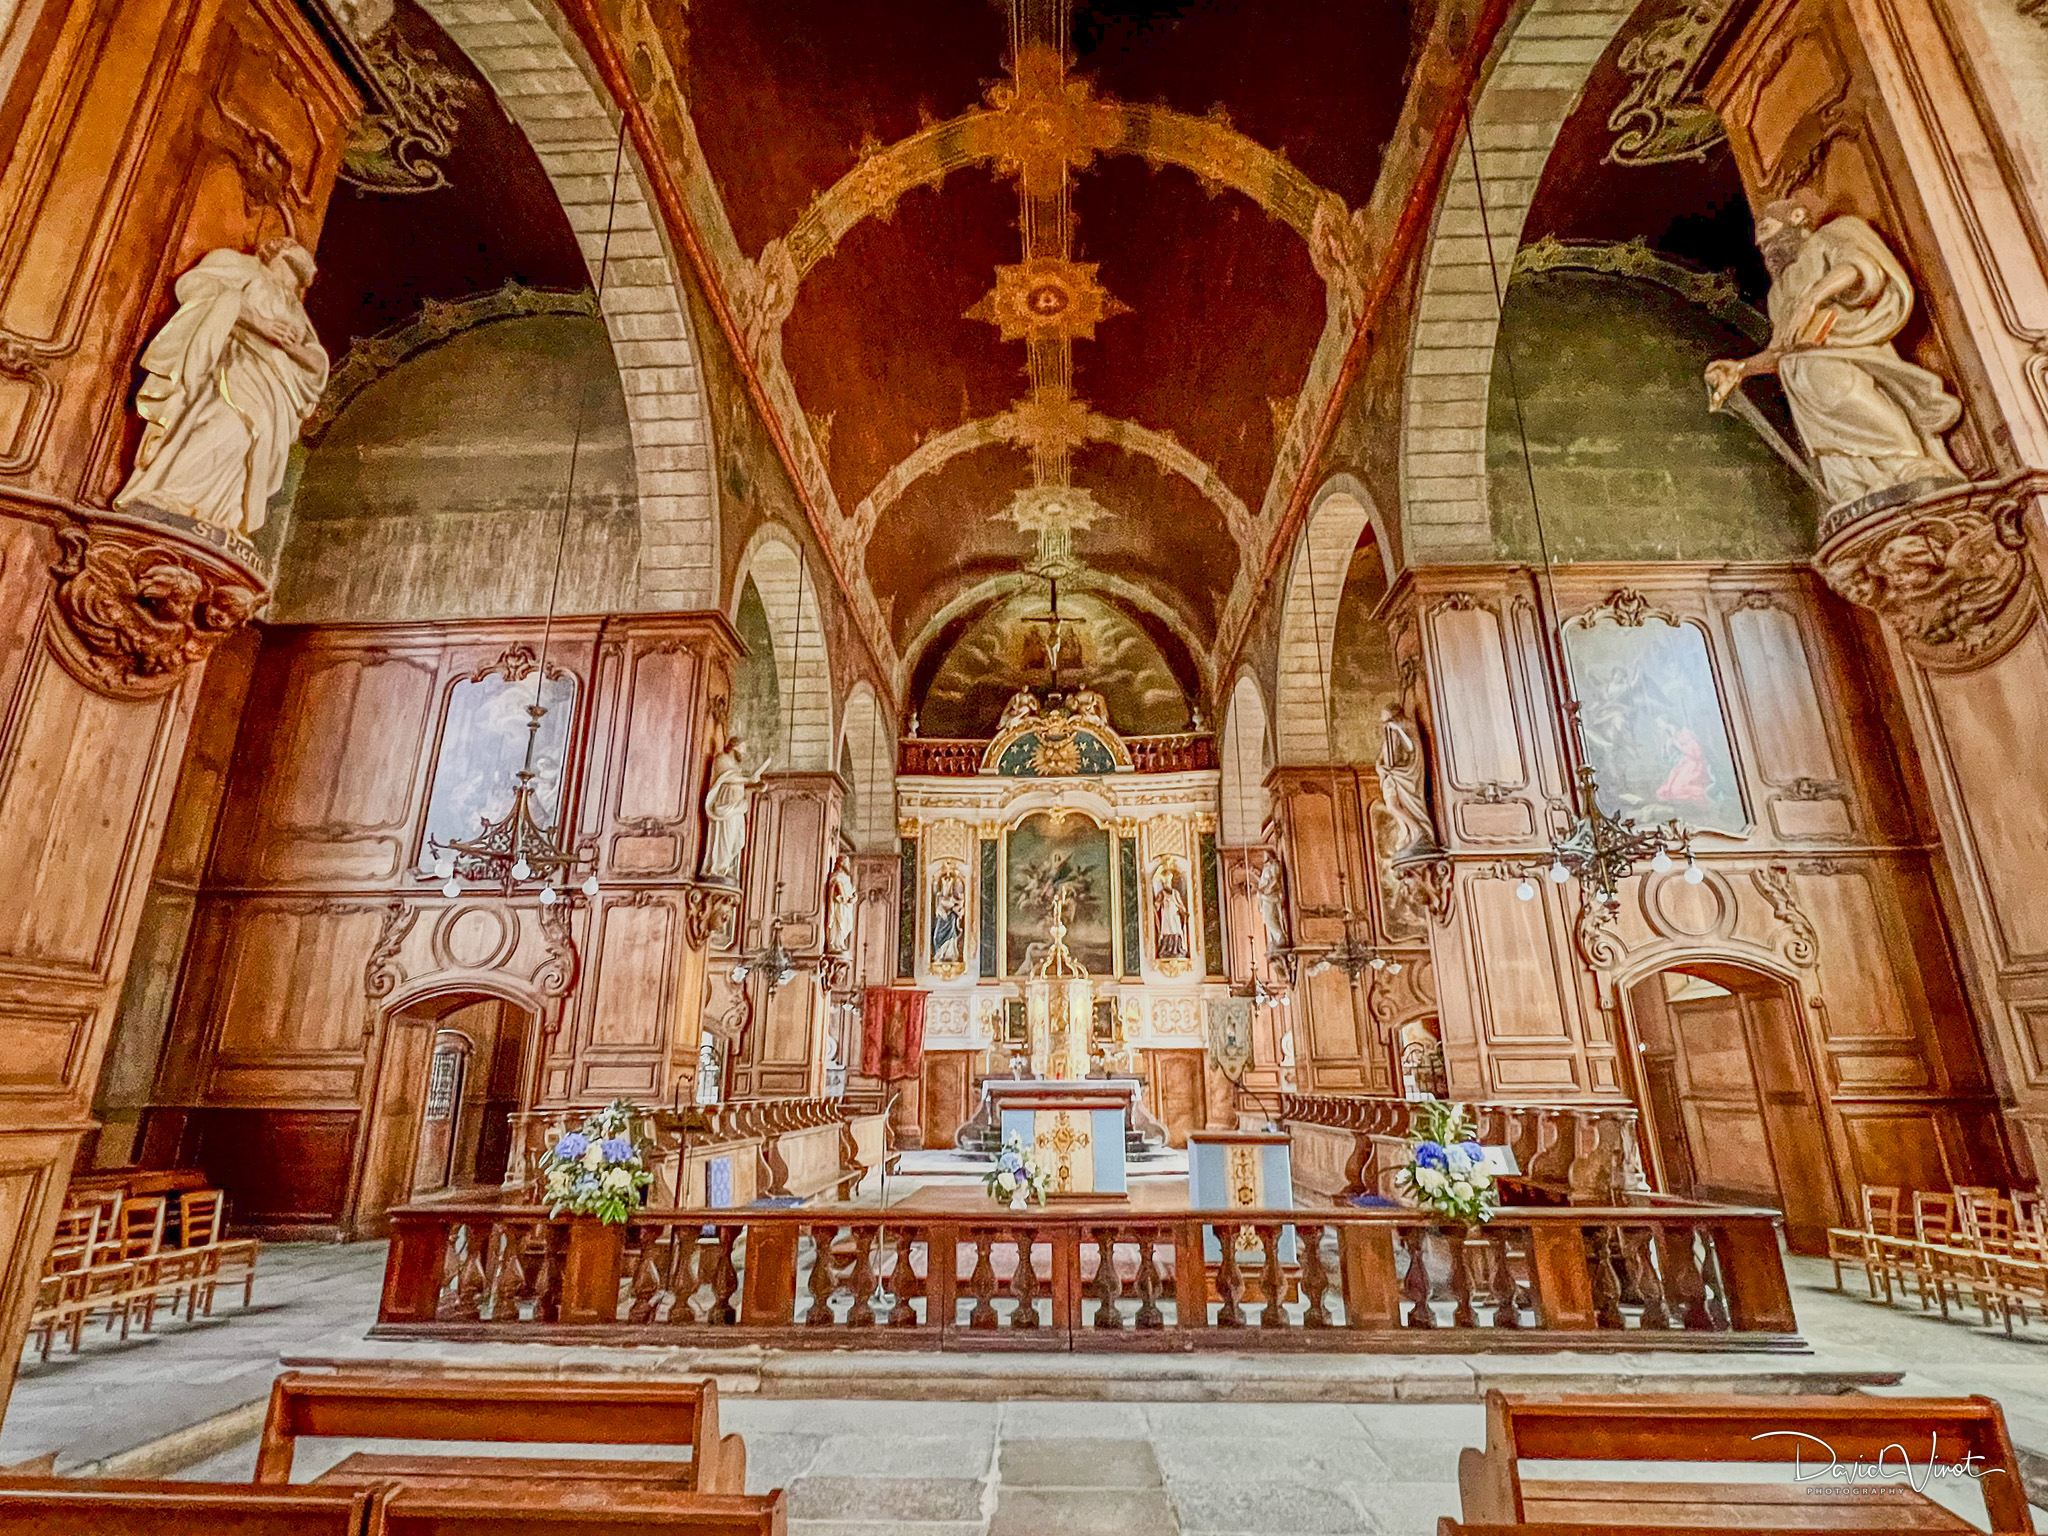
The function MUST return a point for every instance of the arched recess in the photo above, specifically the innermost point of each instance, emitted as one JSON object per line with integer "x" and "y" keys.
{"x": 1341, "y": 515}
{"x": 1541, "y": 70}
{"x": 803, "y": 671}
{"x": 1247, "y": 757}
{"x": 868, "y": 743}
{"x": 525, "y": 52}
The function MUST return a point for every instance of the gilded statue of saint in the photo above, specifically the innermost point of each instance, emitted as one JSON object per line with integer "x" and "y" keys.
{"x": 232, "y": 376}
{"x": 1873, "y": 421}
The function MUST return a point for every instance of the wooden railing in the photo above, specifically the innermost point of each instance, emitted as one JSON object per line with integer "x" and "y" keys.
{"x": 1627, "y": 1278}
{"x": 950, "y": 758}
{"x": 1586, "y": 1153}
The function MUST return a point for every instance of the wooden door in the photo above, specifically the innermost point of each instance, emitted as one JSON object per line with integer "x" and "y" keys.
{"x": 1178, "y": 1092}
{"x": 433, "y": 1166}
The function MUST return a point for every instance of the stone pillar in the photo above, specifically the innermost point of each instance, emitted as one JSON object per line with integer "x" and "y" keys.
{"x": 1922, "y": 118}
{"x": 138, "y": 134}
{"x": 792, "y": 841}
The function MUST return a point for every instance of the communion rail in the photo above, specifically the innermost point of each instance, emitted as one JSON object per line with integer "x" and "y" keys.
{"x": 1579, "y": 1278}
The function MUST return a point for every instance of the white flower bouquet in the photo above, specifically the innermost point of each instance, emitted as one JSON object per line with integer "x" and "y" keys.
{"x": 1447, "y": 1170}
{"x": 1018, "y": 1175}
{"x": 600, "y": 1170}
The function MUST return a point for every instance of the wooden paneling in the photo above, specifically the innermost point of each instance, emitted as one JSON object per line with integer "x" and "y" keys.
{"x": 948, "y": 1082}
{"x": 1179, "y": 1096}
{"x": 280, "y": 1167}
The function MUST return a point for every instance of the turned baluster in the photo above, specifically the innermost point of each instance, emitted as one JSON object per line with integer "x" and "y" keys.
{"x": 1684, "y": 1288}
{"x": 1600, "y": 1247}
{"x": 725, "y": 1279}
{"x": 681, "y": 1281}
{"x": 1109, "y": 1285}
{"x": 1507, "y": 1303}
{"x": 547, "y": 1285}
{"x": 1712, "y": 1283}
{"x": 464, "y": 1299}
{"x": 823, "y": 1282}
{"x": 1147, "y": 1284}
{"x": 1024, "y": 1280}
{"x": 1229, "y": 1280}
{"x": 902, "y": 1280}
{"x": 646, "y": 1275}
{"x": 861, "y": 1314}
{"x": 1462, "y": 1315}
{"x": 1274, "y": 1313}
{"x": 507, "y": 1276}
{"x": 983, "y": 1281}
{"x": 1643, "y": 1276}
{"x": 1315, "y": 1279}
{"x": 1416, "y": 1283}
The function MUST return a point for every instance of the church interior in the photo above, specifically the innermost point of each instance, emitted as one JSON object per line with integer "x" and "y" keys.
{"x": 1006, "y": 766}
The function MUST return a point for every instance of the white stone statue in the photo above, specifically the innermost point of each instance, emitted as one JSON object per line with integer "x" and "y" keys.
{"x": 727, "y": 799}
{"x": 1272, "y": 904}
{"x": 1403, "y": 781}
{"x": 1088, "y": 705}
{"x": 1170, "y": 911}
{"x": 1873, "y": 421}
{"x": 232, "y": 375}
{"x": 839, "y": 909}
{"x": 1023, "y": 706}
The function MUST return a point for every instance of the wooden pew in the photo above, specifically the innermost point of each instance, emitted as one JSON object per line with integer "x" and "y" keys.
{"x": 1736, "y": 1429}
{"x": 583, "y": 1509}
{"x": 390, "y": 1405}
{"x": 74, "y": 1506}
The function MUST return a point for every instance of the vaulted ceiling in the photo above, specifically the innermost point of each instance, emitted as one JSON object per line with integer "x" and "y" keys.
{"x": 1087, "y": 272}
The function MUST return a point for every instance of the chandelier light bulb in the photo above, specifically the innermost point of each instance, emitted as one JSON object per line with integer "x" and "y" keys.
{"x": 521, "y": 869}
{"x": 1662, "y": 863}
{"x": 444, "y": 865}
{"x": 1394, "y": 969}
{"x": 1526, "y": 891}
{"x": 547, "y": 896}
{"x": 451, "y": 888}
{"x": 1378, "y": 964}
{"x": 590, "y": 886}
{"x": 1693, "y": 873}
{"x": 1558, "y": 873}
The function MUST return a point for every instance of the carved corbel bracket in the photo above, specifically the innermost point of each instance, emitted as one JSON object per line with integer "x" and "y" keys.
{"x": 710, "y": 915}
{"x": 141, "y": 606}
{"x": 1425, "y": 874}
{"x": 1945, "y": 572}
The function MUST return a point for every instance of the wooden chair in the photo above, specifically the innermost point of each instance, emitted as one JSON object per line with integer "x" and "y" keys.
{"x": 202, "y": 1258}
{"x": 390, "y": 1405}
{"x": 585, "y": 1509}
{"x": 60, "y": 1293}
{"x": 1863, "y": 1248}
{"x": 73, "y": 1506}
{"x": 234, "y": 1257}
{"x": 123, "y": 1265}
{"x": 1735, "y": 1429}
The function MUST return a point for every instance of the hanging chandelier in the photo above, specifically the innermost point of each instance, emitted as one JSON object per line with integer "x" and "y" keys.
{"x": 519, "y": 847}
{"x": 1595, "y": 849}
{"x": 773, "y": 961}
{"x": 1600, "y": 851}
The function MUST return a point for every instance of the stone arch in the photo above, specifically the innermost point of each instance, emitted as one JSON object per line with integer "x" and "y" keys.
{"x": 1542, "y": 69}
{"x": 866, "y": 737}
{"x": 1247, "y": 757}
{"x": 526, "y": 54}
{"x": 803, "y": 671}
{"x": 1338, "y": 519}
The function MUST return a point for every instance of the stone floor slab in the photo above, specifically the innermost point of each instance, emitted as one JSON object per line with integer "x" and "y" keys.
{"x": 886, "y": 1498}
{"x": 1268, "y": 1507}
{"x": 1077, "y": 1463}
{"x": 1093, "y": 1512}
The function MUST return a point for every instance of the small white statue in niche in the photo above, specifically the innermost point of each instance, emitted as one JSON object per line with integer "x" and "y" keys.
{"x": 232, "y": 376}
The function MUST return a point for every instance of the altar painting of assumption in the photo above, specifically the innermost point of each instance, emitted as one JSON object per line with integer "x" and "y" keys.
{"x": 1046, "y": 855}
{"x": 483, "y": 744}
{"x": 1654, "y": 730}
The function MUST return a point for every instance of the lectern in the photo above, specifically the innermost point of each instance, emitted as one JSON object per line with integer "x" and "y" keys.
{"x": 1243, "y": 1171}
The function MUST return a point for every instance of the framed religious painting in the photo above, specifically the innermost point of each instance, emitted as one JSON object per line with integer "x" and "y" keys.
{"x": 1048, "y": 854}
{"x": 1650, "y": 709}
{"x": 483, "y": 745}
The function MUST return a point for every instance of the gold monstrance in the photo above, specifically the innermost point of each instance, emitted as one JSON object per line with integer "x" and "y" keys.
{"x": 1059, "y": 1004}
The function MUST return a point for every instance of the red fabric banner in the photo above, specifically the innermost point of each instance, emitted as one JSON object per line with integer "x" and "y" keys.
{"x": 892, "y": 1033}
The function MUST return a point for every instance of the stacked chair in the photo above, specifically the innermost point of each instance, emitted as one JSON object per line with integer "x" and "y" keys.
{"x": 443, "y": 1493}
{"x": 122, "y": 1257}
{"x": 1972, "y": 1246}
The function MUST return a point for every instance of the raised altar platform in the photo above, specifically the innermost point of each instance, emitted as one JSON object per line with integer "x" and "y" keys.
{"x": 1144, "y": 1136}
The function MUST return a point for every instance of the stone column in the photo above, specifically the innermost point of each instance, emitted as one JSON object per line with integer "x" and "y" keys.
{"x": 1920, "y": 118}
{"x": 138, "y": 135}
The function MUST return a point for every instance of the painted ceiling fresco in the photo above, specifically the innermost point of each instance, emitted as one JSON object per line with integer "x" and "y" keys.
{"x": 1078, "y": 309}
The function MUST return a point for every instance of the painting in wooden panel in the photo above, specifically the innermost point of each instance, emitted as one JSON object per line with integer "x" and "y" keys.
{"x": 1047, "y": 854}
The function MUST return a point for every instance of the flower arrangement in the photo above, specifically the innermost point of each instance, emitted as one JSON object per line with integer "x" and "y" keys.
{"x": 599, "y": 1170}
{"x": 1447, "y": 1170}
{"x": 1017, "y": 1175}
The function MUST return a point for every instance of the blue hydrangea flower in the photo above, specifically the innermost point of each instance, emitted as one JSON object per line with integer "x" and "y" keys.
{"x": 1473, "y": 1150}
{"x": 1429, "y": 1154}
{"x": 617, "y": 1149}
{"x": 572, "y": 1146}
